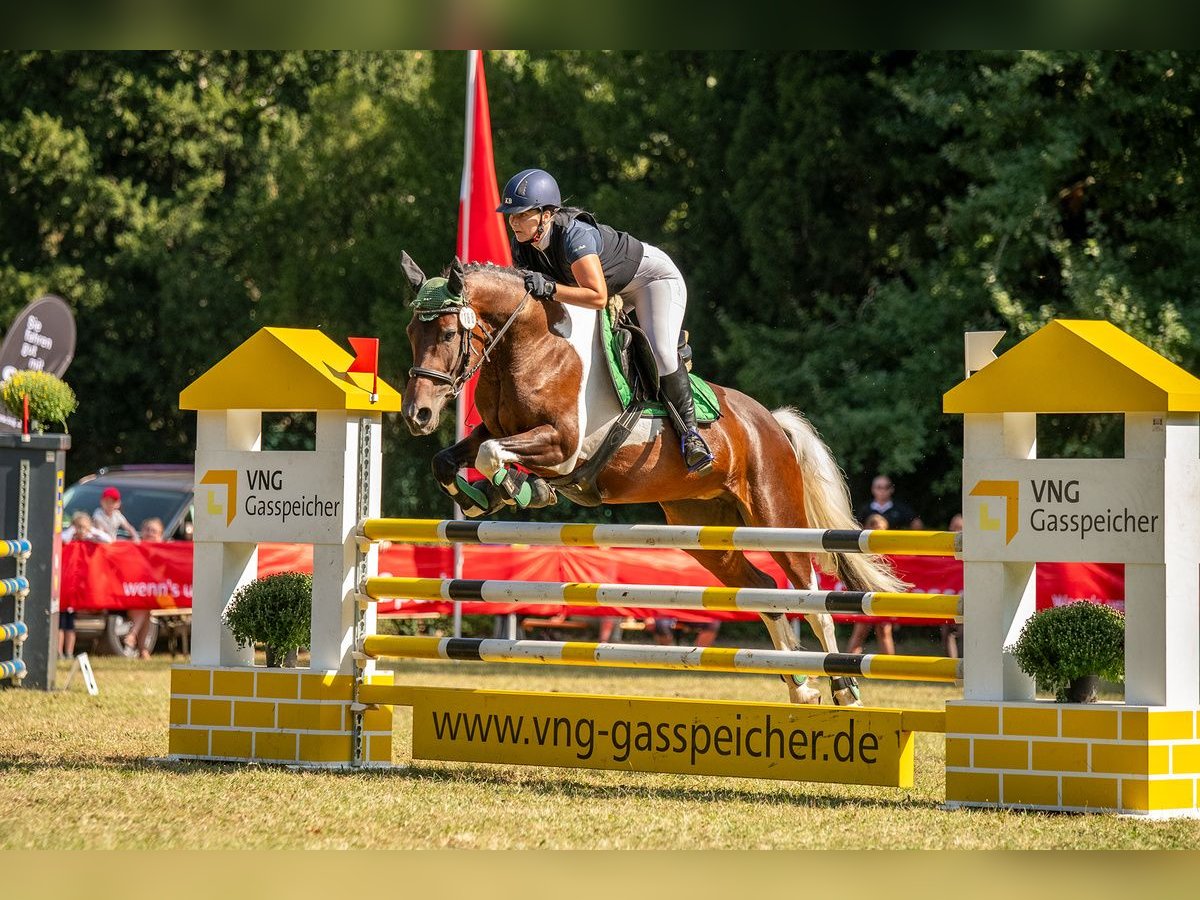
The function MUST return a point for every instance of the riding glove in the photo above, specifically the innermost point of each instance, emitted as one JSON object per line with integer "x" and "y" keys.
{"x": 539, "y": 285}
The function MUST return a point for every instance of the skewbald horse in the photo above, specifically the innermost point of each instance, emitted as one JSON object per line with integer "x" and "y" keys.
{"x": 547, "y": 401}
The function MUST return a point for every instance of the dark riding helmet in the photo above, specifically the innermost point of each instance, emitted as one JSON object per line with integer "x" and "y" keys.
{"x": 529, "y": 189}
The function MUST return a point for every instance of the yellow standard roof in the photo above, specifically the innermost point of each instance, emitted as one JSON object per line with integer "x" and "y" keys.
{"x": 287, "y": 369}
{"x": 1072, "y": 366}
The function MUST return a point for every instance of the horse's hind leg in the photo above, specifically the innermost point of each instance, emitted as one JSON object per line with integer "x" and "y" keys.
{"x": 780, "y": 504}
{"x": 732, "y": 569}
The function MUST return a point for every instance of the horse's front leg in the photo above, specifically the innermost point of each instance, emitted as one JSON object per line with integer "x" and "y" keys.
{"x": 541, "y": 447}
{"x": 843, "y": 688}
{"x": 473, "y": 498}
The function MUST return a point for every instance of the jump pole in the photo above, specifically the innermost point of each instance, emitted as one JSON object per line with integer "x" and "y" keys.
{"x": 640, "y": 656}
{"x": 865, "y": 603}
{"x": 680, "y": 537}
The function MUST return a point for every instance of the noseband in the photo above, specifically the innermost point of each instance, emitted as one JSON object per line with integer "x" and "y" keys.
{"x": 462, "y": 371}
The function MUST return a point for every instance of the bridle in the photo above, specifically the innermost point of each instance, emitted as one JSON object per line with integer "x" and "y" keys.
{"x": 463, "y": 370}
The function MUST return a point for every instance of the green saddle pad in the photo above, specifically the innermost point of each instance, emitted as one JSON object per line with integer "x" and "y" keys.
{"x": 707, "y": 407}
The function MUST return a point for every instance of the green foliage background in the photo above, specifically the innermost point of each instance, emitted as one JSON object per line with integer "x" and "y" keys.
{"x": 841, "y": 218}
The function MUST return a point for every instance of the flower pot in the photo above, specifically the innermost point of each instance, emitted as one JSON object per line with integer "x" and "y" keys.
{"x": 277, "y": 660}
{"x": 1083, "y": 689}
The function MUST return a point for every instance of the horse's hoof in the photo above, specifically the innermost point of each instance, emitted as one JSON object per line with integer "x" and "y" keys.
{"x": 543, "y": 494}
{"x": 799, "y": 690}
{"x": 810, "y": 696}
{"x": 845, "y": 691}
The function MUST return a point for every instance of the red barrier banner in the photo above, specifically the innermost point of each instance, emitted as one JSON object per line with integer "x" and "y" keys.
{"x": 126, "y": 575}
{"x": 159, "y": 576}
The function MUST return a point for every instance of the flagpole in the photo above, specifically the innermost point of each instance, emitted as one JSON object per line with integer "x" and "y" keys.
{"x": 464, "y": 207}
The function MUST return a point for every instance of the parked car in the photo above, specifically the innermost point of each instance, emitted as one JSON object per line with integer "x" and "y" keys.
{"x": 147, "y": 491}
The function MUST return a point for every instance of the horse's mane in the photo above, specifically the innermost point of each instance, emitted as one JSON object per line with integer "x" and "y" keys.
{"x": 499, "y": 277}
{"x": 490, "y": 269}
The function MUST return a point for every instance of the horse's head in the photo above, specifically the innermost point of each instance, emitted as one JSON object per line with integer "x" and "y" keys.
{"x": 440, "y": 337}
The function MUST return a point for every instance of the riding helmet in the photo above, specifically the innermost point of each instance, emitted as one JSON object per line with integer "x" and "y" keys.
{"x": 529, "y": 189}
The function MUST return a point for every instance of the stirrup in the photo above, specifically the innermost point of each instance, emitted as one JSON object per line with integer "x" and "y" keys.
{"x": 699, "y": 464}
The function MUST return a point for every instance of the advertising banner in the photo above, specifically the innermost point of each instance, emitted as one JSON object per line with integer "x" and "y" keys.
{"x": 159, "y": 575}
{"x": 687, "y": 737}
{"x": 292, "y": 496}
{"x": 1066, "y": 510}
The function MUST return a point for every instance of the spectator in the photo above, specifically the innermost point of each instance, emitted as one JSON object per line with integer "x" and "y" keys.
{"x": 952, "y": 631}
{"x": 82, "y": 528}
{"x": 109, "y": 518}
{"x": 66, "y": 632}
{"x": 152, "y": 530}
{"x": 664, "y": 631}
{"x": 883, "y": 502}
{"x": 608, "y": 626}
{"x": 883, "y": 629}
{"x": 139, "y": 619}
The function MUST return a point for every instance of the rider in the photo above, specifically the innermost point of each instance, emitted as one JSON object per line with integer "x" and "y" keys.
{"x": 570, "y": 257}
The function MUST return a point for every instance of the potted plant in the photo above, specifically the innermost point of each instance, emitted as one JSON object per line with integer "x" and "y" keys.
{"x": 50, "y": 399}
{"x": 276, "y": 612}
{"x": 1067, "y": 649}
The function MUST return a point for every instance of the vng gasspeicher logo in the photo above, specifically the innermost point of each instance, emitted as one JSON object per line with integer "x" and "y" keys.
{"x": 266, "y": 496}
{"x": 228, "y": 478}
{"x": 1059, "y": 507}
{"x": 1009, "y": 491}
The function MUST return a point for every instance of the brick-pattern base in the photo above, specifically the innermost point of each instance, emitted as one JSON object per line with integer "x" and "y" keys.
{"x": 1100, "y": 757}
{"x": 295, "y": 717}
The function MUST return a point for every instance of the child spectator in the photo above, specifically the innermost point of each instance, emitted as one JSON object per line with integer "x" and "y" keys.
{"x": 82, "y": 528}
{"x": 109, "y": 518}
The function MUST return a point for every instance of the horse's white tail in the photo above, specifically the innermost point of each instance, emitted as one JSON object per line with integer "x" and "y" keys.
{"x": 827, "y": 505}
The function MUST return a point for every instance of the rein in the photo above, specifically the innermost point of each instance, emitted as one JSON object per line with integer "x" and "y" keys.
{"x": 463, "y": 370}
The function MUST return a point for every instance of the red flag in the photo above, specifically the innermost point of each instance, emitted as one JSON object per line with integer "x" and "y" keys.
{"x": 481, "y": 231}
{"x": 366, "y": 359}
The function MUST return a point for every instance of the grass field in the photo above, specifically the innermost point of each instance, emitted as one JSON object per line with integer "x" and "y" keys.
{"x": 77, "y": 772}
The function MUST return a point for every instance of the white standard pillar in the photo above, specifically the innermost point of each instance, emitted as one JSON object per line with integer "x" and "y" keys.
{"x": 221, "y": 568}
{"x": 334, "y": 565}
{"x": 1162, "y": 600}
{"x": 998, "y": 598}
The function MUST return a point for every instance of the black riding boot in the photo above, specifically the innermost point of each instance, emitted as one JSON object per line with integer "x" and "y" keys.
{"x": 677, "y": 392}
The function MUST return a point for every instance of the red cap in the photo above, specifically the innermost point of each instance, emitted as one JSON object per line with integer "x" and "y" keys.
{"x": 111, "y": 493}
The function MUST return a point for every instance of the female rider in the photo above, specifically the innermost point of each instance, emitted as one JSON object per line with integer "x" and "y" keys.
{"x": 570, "y": 257}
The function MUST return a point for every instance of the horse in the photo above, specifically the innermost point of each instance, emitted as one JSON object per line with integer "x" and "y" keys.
{"x": 547, "y": 402}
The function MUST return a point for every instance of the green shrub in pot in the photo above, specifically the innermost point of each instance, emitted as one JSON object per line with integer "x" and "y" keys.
{"x": 51, "y": 399}
{"x": 1066, "y": 649}
{"x": 275, "y": 611}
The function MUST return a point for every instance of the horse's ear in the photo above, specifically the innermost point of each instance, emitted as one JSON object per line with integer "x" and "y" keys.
{"x": 454, "y": 281}
{"x": 413, "y": 272}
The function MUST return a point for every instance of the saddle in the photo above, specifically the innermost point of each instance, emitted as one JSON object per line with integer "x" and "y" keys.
{"x": 636, "y": 379}
{"x": 634, "y": 358}
{"x": 633, "y": 370}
